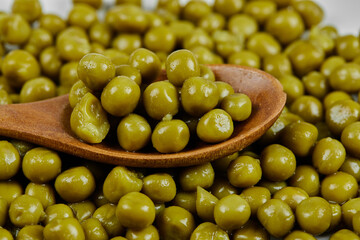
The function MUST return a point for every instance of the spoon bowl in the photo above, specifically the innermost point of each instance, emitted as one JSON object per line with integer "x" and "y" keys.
{"x": 47, "y": 123}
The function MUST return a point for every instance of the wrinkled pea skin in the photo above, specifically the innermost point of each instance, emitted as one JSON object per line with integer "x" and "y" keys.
{"x": 119, "y": 182}
{"x": 88, "y": 119}
{"x": 83, "y": 210}
{"x": 106, "y": 214}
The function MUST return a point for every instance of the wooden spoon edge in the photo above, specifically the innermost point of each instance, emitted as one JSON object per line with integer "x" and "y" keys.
{"x": 209, "y": 152}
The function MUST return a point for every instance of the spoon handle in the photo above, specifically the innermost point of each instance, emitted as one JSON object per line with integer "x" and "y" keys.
{"x": 38, "y": 122}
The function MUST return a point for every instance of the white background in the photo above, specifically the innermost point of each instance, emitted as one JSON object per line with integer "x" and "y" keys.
{"x": 344, "y": 14}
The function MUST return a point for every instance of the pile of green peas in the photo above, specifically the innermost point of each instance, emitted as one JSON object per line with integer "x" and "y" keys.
{"x": 189, "y": 88}
{"x": 299, "y": 181}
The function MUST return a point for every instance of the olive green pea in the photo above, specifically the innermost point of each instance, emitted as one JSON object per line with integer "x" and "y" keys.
{"x": 231, "y": 212}
{"x": 207, "y": 230}
{"x": 135, "y": 210}
{"x": 160, "y": 99}
{"x": 133, "y": 132}
{"x": 120, "y": 96}
{"x": 238, "y": 106}
{"x": 175, "y": 222}
{"x": 95, "y": 70}
{"x": 26, "y": 210}
{"x": 170, "y": 136}
{"x": 77, "y": 180}
{"x": 120, "y": 181}
{"x": 9, "y": 160}
{"x": 181, "y": 65}
{"x": 215, "y": 126}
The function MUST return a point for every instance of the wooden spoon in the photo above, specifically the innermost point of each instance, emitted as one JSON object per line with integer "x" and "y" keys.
{"x": 46, "y": 123}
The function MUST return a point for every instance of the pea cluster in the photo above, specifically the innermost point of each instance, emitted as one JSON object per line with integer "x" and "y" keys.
{"x": 190, "y": 89}
{"x": 299, "y": 181}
